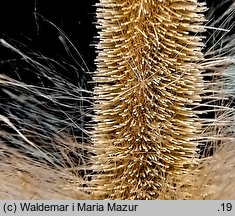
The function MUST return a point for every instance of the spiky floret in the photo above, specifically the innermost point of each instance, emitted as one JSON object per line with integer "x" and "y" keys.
{"x": 148, "y": 81}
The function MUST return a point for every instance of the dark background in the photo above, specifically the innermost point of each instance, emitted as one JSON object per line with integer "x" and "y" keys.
{"x": 21, "y": 22}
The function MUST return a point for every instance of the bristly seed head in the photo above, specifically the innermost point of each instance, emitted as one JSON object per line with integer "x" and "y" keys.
{"x": 148, "y": 81}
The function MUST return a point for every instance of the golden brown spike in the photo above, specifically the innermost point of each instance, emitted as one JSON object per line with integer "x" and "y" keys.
{"x": 148, "y": 81}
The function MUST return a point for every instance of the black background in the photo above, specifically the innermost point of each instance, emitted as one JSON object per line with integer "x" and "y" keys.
{"x": 19, "y": 22}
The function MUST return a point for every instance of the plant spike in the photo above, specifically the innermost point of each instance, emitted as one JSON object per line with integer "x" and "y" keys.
{"x": 148, "y": 83}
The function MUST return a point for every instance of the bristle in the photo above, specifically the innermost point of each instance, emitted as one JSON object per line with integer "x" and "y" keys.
{"x": 163, "y": 120}
{"x": 43, "y": 141}
{"x": 23, "y": 178}
{"x": 148, "y": 81}
{"x": 39, "y": 113}
{"x": 212, "y": 179}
